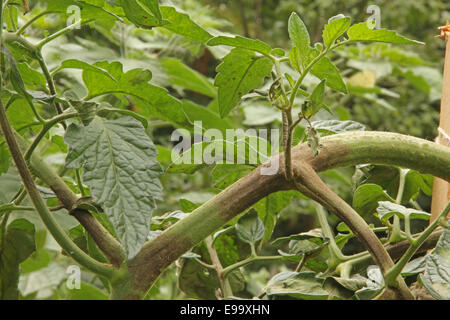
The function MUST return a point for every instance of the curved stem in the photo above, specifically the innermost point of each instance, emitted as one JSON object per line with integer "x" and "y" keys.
{"x": 47, "y": 126}
{"x": 61, "y": 32}
{"x": 251, "y": 259}
{"x": 47, "y": 218}
{"x": 224, "y": 283}
{"x": 336, "y": 255}
{"x": 79, "y": 182}
{"x": 31, "y": 21}
{"x": 50, "y": 82}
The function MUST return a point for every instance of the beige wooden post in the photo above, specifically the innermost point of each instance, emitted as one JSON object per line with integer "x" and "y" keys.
{"x": 441, "y": 188}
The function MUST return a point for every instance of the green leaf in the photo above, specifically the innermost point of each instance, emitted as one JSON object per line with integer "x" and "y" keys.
{"x": 13, "y": 72}
{"x": 209, "y": 119}
{"x": 164, "y": 221}
{"x": 77, "y": 64}
{"x": 30, "y": 76}
{"x": 225, "y": 175}
{"x": 299, "y": 285}
{"x": 314, "y": 235}
{"x": 325, "y": 69}
{"x": 414, "y": 267}
{"x": 361, "y": 32}
{"x": 140, "y": 15}
{"x": 269, "y": 208}
{"x": 344, "y": 288}
{"x": 201, "y": 283}
{"x": 240, "y": 72}
{"x": 335, "y": 126}
{"x": 16, "y": 245}
{"x": 86, "y": 110}
{"x": 180, "y": 23}
{"x": 120, "y": 166}
{"x": 85, "y": 292}
{"x": 316, "y": 98}
{"x": 336, "y": 27}
{"x": 153, "y": 5}
{"x": 388, "y": 178}
{"x": 250, "y": 228}
{"x": 241, "y": 42}
{"x": 89, "y": 10}
{"x": 295, "y": 59}
{"x": 387, "y": 209}
{"x": 187, "y": 78}
{"x": 436, "y": 277}
{"x": 366, "y": 198}
{"x": 298, "y": 33}
{"x": 135, "y": 83}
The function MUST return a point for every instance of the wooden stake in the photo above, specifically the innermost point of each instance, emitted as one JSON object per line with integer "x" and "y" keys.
{"x": 441, "y": 188}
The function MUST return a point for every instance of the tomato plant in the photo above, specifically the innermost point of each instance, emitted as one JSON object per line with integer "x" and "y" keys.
{"x": 133, "y": 172}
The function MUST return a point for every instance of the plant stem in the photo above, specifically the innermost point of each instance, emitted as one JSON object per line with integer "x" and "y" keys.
{"x": 50, "y": 83}
{"x": 287, "y": 143}
{"x": 304, "y": 74}
{"x": 31, "y": 21}
{"x": 61, "y": 32}
{"x": 396, "y": 234}
{"x": 224, "y": 283}
{"x": 250, "y": 259}
{"x": 336, "y": 255}
{"x": 301, "y": 263}
{"x": 397, "y": 269}
{"x": 80, "y": 183}
{"x": 47, "y": 126}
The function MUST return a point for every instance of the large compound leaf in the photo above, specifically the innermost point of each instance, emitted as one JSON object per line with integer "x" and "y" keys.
{"x": 240, "y": 72}
{"x": 120, "y": 166}
{"x": 361, "y": 32}
{"x": 16, "y": 245}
